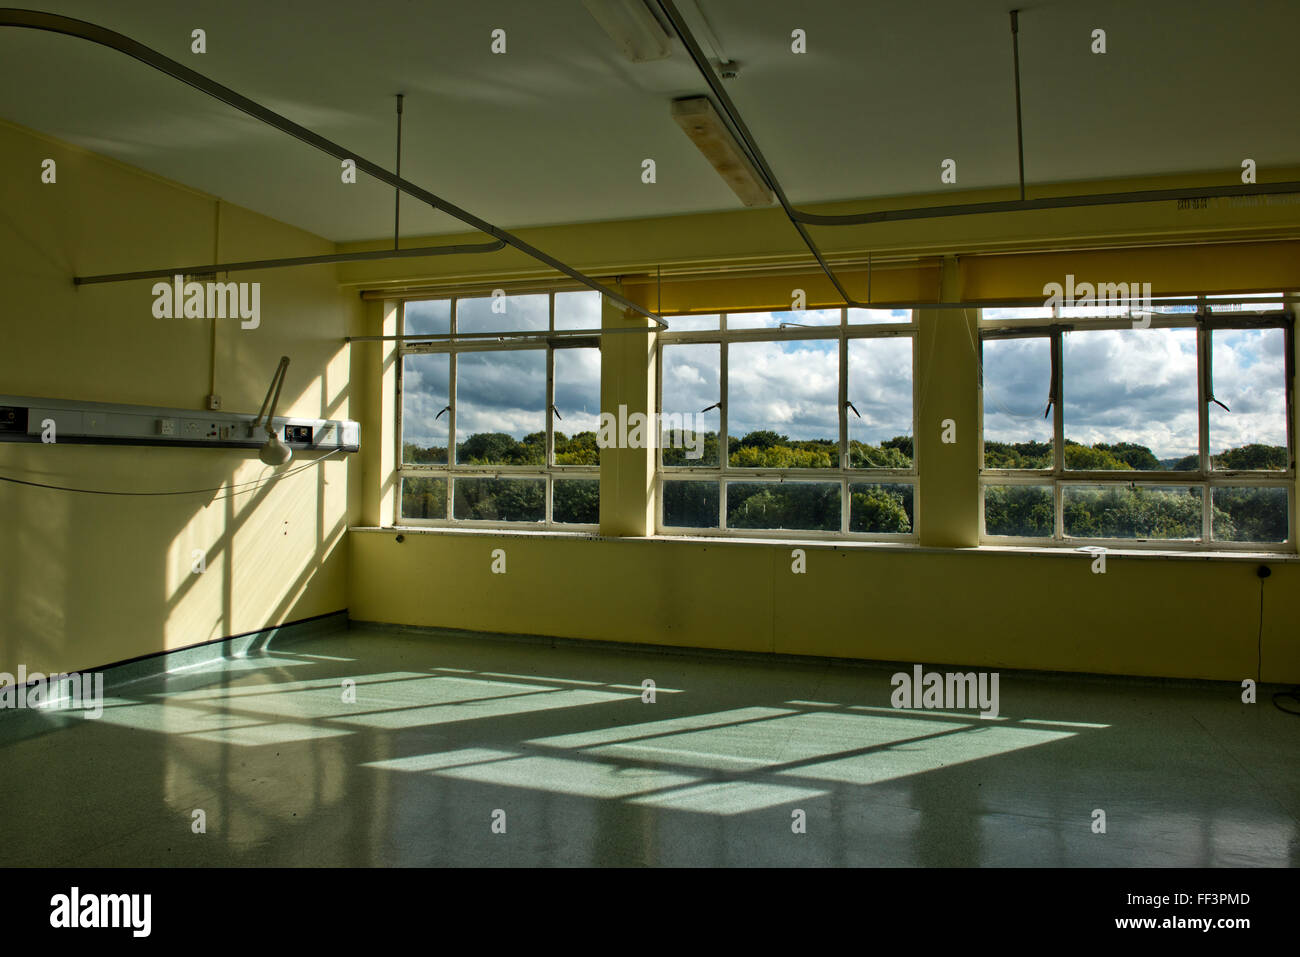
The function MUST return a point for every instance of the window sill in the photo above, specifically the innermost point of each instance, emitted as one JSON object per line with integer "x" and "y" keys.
{"x": 1065, "y": 551}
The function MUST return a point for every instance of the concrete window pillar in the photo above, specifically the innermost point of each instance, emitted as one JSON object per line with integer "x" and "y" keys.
{"x": 947, "y": 373}
{"x": 627, "y": 386}
{"x": 379, "y": 440}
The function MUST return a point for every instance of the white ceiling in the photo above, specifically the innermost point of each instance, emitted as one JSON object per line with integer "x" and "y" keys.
{"x": 555, "y": 130}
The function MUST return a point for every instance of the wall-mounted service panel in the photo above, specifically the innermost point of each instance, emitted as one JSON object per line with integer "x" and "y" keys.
{"x": 26, "y": 419}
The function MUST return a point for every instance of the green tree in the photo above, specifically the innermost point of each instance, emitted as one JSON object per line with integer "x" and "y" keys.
{"x": 878, "y": 509}
{"x": 1253, "y": 456}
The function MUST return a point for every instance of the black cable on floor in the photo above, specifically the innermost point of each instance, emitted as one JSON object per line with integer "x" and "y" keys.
{"x": 1294, "y": 694}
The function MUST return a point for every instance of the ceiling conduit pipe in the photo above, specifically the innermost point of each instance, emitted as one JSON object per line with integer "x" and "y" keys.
{"x": 799, "y": 218}
{"x": 67, "y": 26}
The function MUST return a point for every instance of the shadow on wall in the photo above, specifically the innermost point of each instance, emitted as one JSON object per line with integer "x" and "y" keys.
{"x": 93, "y": 579}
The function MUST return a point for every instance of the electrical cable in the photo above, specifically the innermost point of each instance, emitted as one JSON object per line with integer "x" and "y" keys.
{"x": 194, "y": 491}
{"x": 1294, "y": 693}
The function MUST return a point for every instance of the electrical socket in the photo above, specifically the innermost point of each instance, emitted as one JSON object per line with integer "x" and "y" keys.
{"x": 214, "y": 403}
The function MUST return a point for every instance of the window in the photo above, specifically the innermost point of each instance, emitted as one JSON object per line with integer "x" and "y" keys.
{"x": 788, "y": 423}
{"x": 1169, "y": 430}
{"x": 499, "y": 432}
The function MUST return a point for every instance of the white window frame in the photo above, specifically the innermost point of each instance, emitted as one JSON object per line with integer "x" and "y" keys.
{"x": 1212, "y": 313}
{"x": 725, "y": 474}
{"x": 537, "y": 340}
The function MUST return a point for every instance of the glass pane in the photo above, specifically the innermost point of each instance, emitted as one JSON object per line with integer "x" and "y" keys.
{"x": 500, "y": 408}
{"x": 425, "y": 415}
{"x": 776, "y": 320}
{"x": 814, "y": 506}
{"x": 577, "y": 406}
{"x": 1017, "y": 377}
{"x": 1017, "y": 313}
{"x": 1250, "y": 515}
{"x": 1022, "y": 510}
{"x": 875, "y": 316}
{"x": 691, "y": 323}
{"x": 427, "y": 315}
{"x": 781, "y": 404}
{"x": 880, "y": 389}
{"x": 1130, "y": 398}
{"x": 1161, "y": 307}
{"x": 424, "y": 498}
{"x": 504, "y": 313}
{"x": 1249, "y": 367}
{"x": 1119, "y": 511}
{"x": 691, "y": 504}
{"x": 577, "y": 310}
{"x": 500, "y": 500}
{"x": 577, "y": 501}
{"x": 690, "y": 384}
{"x": 1118, "y": 306}
{"x": 1243, "y": 303}
{"x": 882, "y": 509}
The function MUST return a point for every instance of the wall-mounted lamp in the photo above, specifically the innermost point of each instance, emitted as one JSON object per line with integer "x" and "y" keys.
{"x": 274, "y": 452}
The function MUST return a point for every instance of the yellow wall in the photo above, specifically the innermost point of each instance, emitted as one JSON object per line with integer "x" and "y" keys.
{"x": 85, "y": 579}
{"x": 1145, "y": 616}
{"x": 1184, "y": 616}
{"x": 89, "y": 580}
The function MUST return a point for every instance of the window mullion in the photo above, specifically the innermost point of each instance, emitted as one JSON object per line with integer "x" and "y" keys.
{"x": 548, "y": 457}
{"x": 397, "y": 411}
{"x": 844, "y": 431}
{"x": 1205, "y": 389}
{"x": 452, "y": 362}
{"x": 724, "y": 451}
{"x": 1058, "y": 431}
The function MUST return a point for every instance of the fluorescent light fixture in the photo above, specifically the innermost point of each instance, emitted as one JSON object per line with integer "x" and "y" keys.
{"x": 631, "y": 26}
{"x": 702, "y": 124}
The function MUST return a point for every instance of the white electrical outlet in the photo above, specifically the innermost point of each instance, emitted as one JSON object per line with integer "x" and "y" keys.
{"x": 214, "y": 403}
{"x": 166, "y": 426}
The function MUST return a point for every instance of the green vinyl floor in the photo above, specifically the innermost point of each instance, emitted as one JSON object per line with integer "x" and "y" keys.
{"x": 464, "y": 750}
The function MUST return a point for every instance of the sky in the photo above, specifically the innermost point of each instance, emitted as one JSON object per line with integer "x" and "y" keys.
{"x": 1138, "y": 385}
{"x": 1119, "y": 385}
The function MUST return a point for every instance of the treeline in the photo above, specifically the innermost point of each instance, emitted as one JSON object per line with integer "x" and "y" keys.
{"x": 498, "y": 448}
{"x": 810, "y": 506}
{"x": 575, "y": 501}
{"x": 1237, "y": 514}
{"x": 1118, "y": 511}
{"x": 762, "y": 449}
{"x": 1126, "y": 456}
